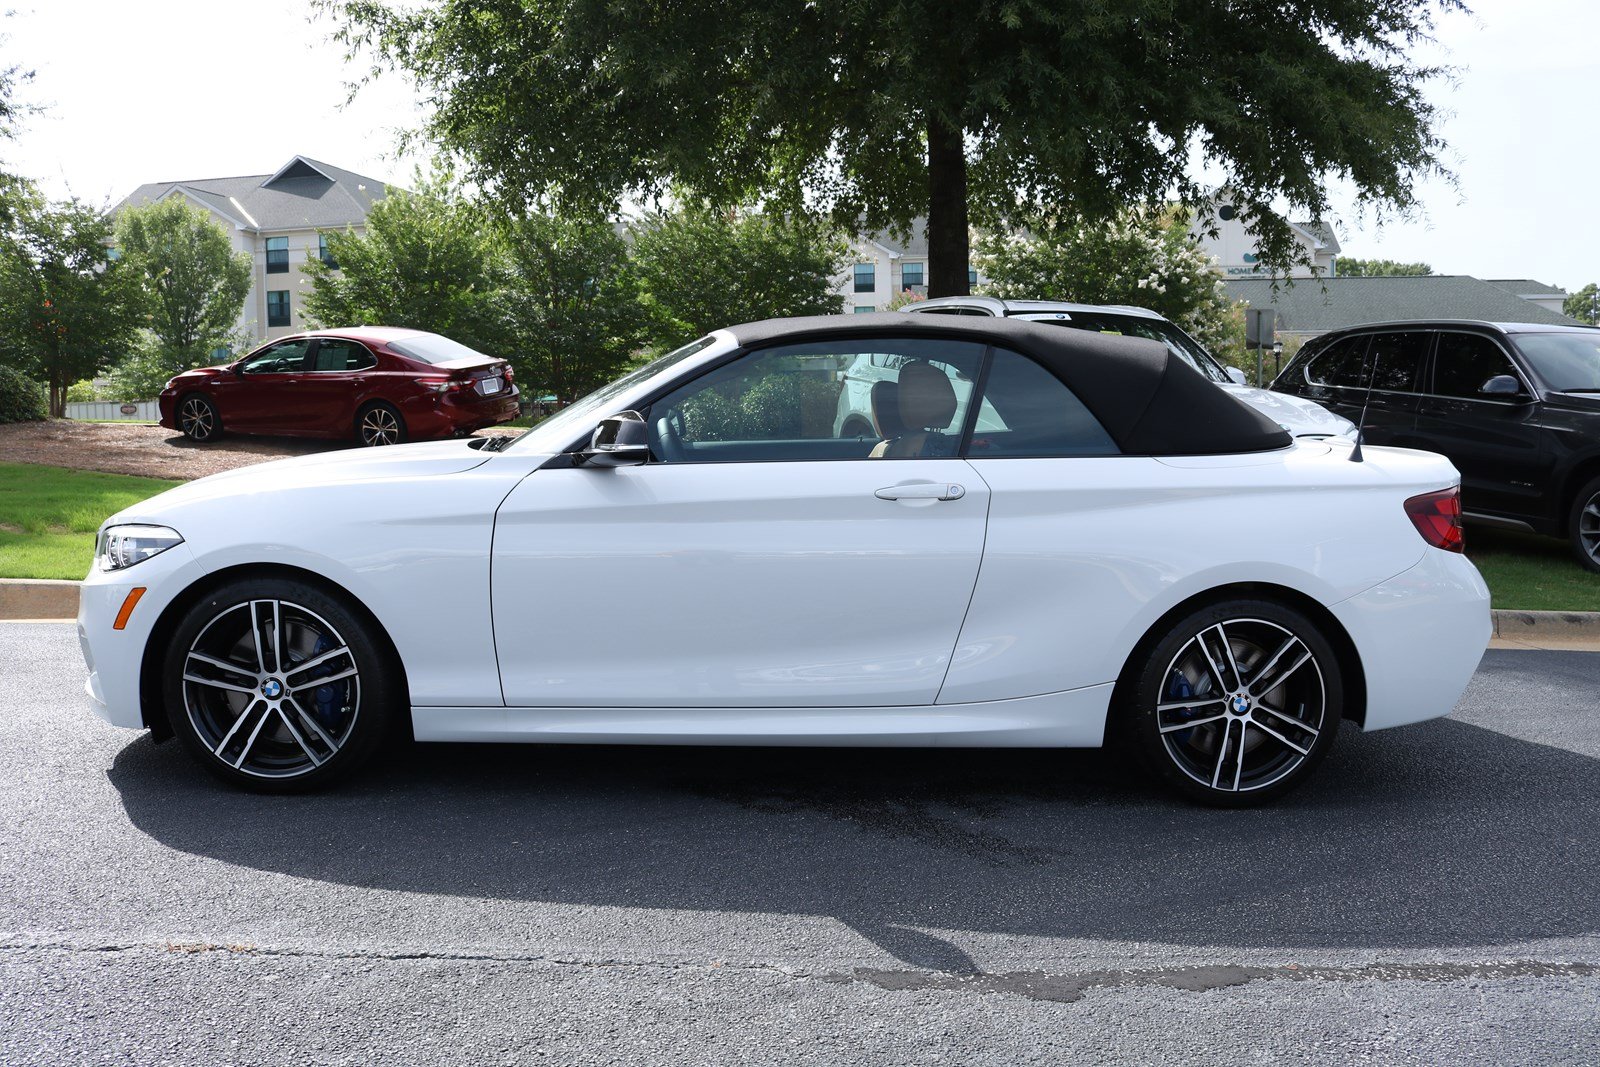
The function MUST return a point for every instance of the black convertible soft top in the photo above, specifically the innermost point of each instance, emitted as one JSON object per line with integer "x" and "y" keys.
{"x": 1148, "y": 399}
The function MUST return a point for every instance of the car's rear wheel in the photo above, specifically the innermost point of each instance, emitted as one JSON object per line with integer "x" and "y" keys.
{"x": 277, "y": 686}
{"x": 380, "y": 424}
{"x": 198, "y": 419}
{"x": 1584, "y": 525}
{"x": 1236, "y": 703}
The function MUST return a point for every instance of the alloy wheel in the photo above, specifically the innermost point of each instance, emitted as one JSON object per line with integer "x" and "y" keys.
{"x": 271, "y": 688}
{"x": 1243, "y": 705}
{"x": 1589, "y": 529}
{"x": 380, "y": 427}
{"x": 196, "y": 419}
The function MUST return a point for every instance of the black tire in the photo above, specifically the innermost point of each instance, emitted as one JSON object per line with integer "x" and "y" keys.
{"x": 294, "y": 736}
{"x": 198, "y": 419}
{"x": 858, "y": 428}
{"x": 1185, "y": 674}
{"x": 380, "y": 424}
{"x": 1583, "y": 526}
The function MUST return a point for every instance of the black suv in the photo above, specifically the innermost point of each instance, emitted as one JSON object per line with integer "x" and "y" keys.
{"x": 1516, "y": 407}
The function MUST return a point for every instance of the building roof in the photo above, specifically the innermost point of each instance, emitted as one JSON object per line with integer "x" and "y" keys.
{"x": 1321, "y": 234}
{"x": 913, "y": 246}
{"x": 1527, "y": 287}
{"x": 303, "y": 193}
{"x": 1147, "y": 398}
{"x": 1313, "y": 306}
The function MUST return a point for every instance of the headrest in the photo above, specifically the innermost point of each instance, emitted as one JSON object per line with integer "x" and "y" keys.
{"x": 886, "y": 409}
{"x": 927, "y": 399}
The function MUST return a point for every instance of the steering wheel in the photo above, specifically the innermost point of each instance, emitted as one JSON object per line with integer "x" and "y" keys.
{"x": 668, "y": 432}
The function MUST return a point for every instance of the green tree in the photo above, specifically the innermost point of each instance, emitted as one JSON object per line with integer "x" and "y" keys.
{"x": 704, "y": 268}
{"x": 65, "y": 310}
{"x": 194, "y": 284}
{"x": 1379, "y": 268}
{"x": 429, "y": 260}
{"x": 877, "y": 111}
{"x": 573, "y": 303}
{"x": 1145, "y": 257}
{"x": 1584, "y": 305}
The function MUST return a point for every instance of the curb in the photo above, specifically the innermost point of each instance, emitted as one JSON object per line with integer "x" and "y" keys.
{"x": 34, "y": 598}
{"x": 38, "y": 598}
{"x": 1566, "y": 625}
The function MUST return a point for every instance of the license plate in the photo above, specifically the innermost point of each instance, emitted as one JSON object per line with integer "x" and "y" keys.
{"x": 491, "y": 386}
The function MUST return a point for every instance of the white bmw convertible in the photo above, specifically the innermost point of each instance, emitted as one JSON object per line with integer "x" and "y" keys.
{"x": 694, "y": 555}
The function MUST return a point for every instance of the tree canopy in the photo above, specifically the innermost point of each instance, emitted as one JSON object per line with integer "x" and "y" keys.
{"x": 193, "y": 284}
{"x": 1584, "y": 305}
{"x": 65, "y": 311}
{"x": 878, "y": 111}
{"x": 1379, "y": 268}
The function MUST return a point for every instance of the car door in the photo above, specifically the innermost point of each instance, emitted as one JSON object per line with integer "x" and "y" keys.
{"x": 1495, "y": 440}
{"x": 759, "y": 560}
{"x": 328, "y": 392}
{"x": 260, "y": 394}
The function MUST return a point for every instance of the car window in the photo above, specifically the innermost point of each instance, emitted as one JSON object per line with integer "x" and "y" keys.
{"x": 1343, "y": 363}
{"x": 881, "y": 398}
{"x": 285, "y": 358}
{"x": 337, "y": 354}
{"x": 1394, "y": 362}
{"x": 1464, "y": 362}
{"x": 955, "y": 311}
{"x": 1569, "y": 362}
{"x": 433, "y": 348}
{"x": 1034, "y": 414}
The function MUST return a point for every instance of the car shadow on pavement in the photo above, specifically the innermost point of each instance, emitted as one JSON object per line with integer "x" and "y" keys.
{"x": 1433, "y": 835}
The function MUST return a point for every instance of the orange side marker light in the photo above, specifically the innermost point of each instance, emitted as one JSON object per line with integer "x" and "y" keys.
{"x": 127, "y": 607}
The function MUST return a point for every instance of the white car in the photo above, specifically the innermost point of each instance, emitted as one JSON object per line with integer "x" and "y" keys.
{"x": 1301, "y": 417}
{"x": 692, "y": 555}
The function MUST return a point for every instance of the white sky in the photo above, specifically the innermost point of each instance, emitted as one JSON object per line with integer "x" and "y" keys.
{"x": 157, "y": 90}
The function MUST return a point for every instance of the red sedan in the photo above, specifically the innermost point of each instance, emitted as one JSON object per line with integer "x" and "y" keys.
{"x": 377, "y": 384}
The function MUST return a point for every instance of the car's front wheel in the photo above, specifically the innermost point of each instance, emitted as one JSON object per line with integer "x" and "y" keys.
{"x": 1584, "y": 525}
{"x": 1236, "y": 703}
{"x": 275, "y": 685}
{"x": 198, "y": 419}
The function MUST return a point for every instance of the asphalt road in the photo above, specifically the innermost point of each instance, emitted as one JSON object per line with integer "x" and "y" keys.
{"x": 1432, "y": 897}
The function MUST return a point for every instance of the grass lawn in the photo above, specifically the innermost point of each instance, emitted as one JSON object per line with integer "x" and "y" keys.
{"x": 49, "y": 515}
{"x": 1531, "y": 572}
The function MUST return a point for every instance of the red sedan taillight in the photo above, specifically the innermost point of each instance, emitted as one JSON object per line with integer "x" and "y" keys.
{"x": 1437, "y": 517}
{"x": 445, "y": 385}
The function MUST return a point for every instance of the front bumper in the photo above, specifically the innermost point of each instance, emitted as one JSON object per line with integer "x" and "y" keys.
{"x": 1420, "y": 636}
{"x": 115, "y": 657}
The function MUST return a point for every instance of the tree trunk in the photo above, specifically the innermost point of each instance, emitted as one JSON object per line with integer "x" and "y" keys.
{"x": 58, "y": 396}
{"x": 947, "y": 211}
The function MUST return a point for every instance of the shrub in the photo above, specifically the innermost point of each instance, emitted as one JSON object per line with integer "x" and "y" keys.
{"x": 21, "y": 398}
{"x": 81, "y": 392}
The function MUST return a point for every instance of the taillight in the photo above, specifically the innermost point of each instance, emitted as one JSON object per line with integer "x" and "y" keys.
{"x": 445, "y": 385}
{"x": 1437, "y": 517}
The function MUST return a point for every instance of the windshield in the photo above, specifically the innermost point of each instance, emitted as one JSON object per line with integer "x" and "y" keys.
{"x": 556, "y": 432}
{"x": 1181, "y": 344}
{"x": 432, "y": 348}
{"x": 1568, "y": 362}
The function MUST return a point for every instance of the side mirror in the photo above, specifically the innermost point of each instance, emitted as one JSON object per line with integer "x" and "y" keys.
{"x": 1237, "y": 376}
{"x": 621, "y": 440}
{"x": 1501, "y": 385}
{"x": 238, "y": 370}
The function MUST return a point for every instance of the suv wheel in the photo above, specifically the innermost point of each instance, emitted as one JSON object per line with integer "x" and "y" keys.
{"x": 1584, "y": 525}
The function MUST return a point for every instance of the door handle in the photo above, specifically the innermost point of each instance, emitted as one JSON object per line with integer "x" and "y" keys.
{"x": 922, "y": 491}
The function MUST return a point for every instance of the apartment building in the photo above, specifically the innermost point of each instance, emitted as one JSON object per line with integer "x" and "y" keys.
{"x": 281, "y": 220}
{"x": 886, "y": 266}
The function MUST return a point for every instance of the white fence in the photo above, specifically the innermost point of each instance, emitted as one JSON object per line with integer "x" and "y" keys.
{"x": 144, "y": 411}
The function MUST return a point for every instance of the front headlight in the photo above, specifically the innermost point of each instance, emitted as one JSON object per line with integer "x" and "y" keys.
{"x": 123, "y": 546}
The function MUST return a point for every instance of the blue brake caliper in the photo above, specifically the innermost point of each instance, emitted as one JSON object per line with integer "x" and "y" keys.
{"x": 1178, "y": 688}
{"x": 328, "y": 701}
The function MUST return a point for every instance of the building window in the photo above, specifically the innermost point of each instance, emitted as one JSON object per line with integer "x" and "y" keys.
{"x": 323, "y": 253}
{"x": 866, "y": 277}
{"x": 911, "y": 275}
{"x": 113, "y": 254}
{"x": 277, "y": 255}
{"x": 864, "y": 309}
{"x": 972, "y": 277}
{"x": 277, "y": 307}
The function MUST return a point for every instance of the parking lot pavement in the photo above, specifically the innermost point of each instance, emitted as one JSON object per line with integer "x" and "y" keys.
{"x": 1432, "y": 896}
